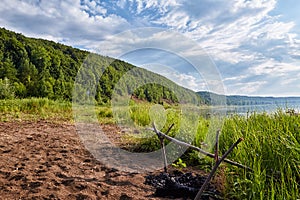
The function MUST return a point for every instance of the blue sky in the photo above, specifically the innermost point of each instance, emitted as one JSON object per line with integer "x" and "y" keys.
{"x": 254, "y": 44}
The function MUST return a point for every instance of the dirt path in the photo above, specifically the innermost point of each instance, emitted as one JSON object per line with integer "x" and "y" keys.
{"x": 42, "y": 160}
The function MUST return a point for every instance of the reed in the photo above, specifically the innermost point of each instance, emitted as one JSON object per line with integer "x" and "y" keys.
{"x": 271, "y": 148}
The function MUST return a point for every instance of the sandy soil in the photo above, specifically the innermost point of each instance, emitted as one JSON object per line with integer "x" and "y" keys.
{"x": 46, "y": 160}
{"x": 42, "y": 160}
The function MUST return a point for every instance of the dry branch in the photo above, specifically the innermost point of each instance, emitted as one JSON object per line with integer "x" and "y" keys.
{"x": 213, "y": 171}
{"x": 161, "y": 134}
{"x": 162, "y": 144}
{"x": 217, "y": 146}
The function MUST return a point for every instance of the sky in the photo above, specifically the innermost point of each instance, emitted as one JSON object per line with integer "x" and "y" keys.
{"x": 253, "y": 45}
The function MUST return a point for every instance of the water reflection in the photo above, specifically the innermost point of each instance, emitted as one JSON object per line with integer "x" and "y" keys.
{"x": 246, "y": 110}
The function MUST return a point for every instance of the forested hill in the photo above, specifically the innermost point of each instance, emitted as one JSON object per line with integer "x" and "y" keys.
{"x": 40, "y": 68}
{"x": 214, "y": 99}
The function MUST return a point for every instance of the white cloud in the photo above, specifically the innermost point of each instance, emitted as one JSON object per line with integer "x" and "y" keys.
{"x": 190, "y": 81}
{"x": 236, "y": 78}
{"x": 161, "y": 5}
{"x": 186, "y": 80}
{"x": 291, "y": 80}
{"x": 274, "y": 68}
{"x": 121, "y": 3}
{"x": 241, "y": 36}
{"x": 93, "y": 8}
{"x": 61, "y": 19}
{"x": 232, "y": 31}
{"x": 248, "y": 88}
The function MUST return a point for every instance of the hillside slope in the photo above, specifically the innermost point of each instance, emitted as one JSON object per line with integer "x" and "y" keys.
{"x": 40, "y": 68}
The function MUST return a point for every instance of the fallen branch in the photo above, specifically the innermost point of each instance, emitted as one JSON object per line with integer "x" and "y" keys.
{"x": 213, "y": 171}
{"x": 160, "y": 134}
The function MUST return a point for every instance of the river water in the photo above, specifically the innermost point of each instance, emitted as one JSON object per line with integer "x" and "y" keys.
{"x": 250, "y": 109}
{"x": 263, "y": 108}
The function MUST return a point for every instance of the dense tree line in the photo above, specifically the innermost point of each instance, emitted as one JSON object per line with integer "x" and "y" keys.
{"x": 39, "y": 68}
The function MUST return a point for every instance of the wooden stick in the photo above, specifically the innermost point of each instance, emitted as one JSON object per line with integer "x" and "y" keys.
{"x": 198, "y": 149}
{"x": 213, "y": 171}
{"x": 217, "y": 146}
{"x": 163, "y": 150}
{"x": 168, "y": 128}
{"x": 162, "y": 144}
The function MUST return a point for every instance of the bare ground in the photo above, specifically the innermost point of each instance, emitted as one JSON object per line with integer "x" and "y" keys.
{"x": 46, "y": 160}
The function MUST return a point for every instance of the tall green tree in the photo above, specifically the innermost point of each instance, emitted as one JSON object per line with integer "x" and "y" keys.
{"x": 59, "y": 87}
{"x": 40, "y": 58}
{"x": 28, "y": 76}
{"x": 8, "y": 70}
{"x": 45, "y": 86}
{"x": 6, "y": 89}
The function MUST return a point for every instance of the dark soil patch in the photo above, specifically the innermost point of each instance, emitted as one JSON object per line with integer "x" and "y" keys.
{"x": 181, "y": 185}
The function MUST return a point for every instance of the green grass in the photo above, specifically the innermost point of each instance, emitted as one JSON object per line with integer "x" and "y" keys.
{"x": 271, "y": 148}
{"x": 35, "y": 109}
{"x": 271, "y": 145}
{"x": 46, "y": 109}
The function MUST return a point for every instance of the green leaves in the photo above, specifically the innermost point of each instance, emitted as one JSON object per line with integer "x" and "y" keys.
{"x": 179, "y": 164}
{"x": 40, "y": 68}
{"x": 7, "y": 90}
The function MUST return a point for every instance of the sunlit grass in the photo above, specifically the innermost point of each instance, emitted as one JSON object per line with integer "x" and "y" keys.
{"x": 271, "y": 148}
{"x": 35, "y": 109}
{"x": 271, "y": 145}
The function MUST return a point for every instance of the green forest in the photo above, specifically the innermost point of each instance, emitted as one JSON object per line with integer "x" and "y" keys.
{"x": 40, "y": 68}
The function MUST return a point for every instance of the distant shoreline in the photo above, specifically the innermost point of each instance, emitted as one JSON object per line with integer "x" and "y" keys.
{"x": 236, "y": 100}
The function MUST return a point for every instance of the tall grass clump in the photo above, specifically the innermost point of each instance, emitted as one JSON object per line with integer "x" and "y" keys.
{"x": 139, "y": 113}
{"x": 34, "y": 108}
{"x": 271, "y": 148}
{"x": 143, "y": 115}
{"x": 104, "y": 114}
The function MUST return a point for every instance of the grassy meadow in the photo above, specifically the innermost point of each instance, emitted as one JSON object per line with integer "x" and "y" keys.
{"x": 271, "y": 145}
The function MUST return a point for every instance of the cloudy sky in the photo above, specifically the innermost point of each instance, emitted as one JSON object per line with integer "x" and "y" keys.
{"x": 253, "y": 44}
